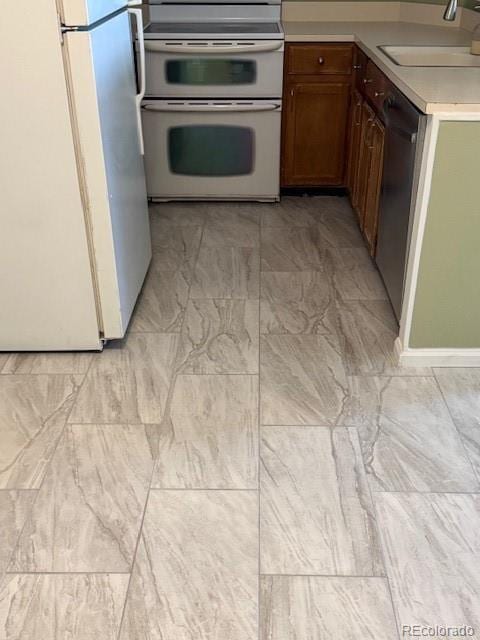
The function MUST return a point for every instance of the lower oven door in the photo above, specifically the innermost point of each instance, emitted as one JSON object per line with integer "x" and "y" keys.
{"x": 212, "y": 149}
{"x": 214, "y": 69}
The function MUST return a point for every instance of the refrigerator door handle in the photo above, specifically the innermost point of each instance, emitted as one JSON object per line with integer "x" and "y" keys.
{"x": 137, "y": 13}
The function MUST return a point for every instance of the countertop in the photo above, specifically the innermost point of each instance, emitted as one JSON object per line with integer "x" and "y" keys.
{"x": 431, "y": 89}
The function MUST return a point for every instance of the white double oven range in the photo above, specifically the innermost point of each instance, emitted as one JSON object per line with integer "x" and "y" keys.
{"x": 212, "y": 108}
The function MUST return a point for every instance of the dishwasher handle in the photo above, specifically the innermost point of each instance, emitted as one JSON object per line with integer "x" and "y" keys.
{"x": 397, "y": 119}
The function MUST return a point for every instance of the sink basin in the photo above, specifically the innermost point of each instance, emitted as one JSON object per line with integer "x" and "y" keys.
{"x": 425, "y": 56}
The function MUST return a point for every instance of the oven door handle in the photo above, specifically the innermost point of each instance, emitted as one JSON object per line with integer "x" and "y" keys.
{"x": 210, "y": 108}
{"x": 162, "y": 47}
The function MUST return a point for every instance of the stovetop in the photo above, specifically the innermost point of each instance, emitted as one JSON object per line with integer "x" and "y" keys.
{"x": 214, "y": 22}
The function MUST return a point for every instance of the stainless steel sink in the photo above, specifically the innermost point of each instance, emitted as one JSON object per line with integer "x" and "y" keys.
{"x": 426, "y": 56}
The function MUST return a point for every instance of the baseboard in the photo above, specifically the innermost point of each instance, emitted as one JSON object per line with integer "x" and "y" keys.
{"x": 436, "y": 357}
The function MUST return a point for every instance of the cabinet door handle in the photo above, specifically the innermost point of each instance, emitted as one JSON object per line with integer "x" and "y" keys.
{"x": 292, "y": 92}
{"x": 367, "y": 80}
{"x": 321, "y": 60}
{"x": 357, "y": 67}
{"x": 377, "y": 94}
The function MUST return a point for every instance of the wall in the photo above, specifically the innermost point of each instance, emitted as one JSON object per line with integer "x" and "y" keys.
{"x": 447, "y": 303}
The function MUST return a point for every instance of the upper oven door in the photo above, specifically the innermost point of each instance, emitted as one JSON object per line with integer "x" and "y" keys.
{"x": 214, "y": 69}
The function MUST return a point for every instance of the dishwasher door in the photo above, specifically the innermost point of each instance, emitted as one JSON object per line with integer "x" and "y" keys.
{"x": 403, "y": 131}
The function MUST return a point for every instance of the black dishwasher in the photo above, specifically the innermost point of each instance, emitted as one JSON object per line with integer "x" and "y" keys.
{"x": 404, "y": 132}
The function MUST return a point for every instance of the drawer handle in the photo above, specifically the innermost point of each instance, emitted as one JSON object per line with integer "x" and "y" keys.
{"x": 379, "y": 93}
{"x": 367, "y": 80}
{"x": 357, "y": 66}
{"x": 321, "y": 60}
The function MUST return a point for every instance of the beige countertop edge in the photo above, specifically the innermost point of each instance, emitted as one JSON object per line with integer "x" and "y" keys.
{"x": 392, "y": 71}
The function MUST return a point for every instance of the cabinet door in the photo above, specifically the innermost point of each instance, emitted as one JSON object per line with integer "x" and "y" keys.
{"x": 370, "y": 223}
{"x": 315, "y": 129}
{"x": 361, "y": 184}
{"x": 354, "y": 145}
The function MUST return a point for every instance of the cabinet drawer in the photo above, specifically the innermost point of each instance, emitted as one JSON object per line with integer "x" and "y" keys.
{"x": 375, "y": 83}
{"x": 360, "y": 67}
{"x": 314, "y": 59}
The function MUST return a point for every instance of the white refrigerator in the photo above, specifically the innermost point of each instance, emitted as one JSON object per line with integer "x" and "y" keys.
{"x": 74, "y": 230}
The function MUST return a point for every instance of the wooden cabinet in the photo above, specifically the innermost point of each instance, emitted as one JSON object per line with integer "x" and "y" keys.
{"x": 315, "y": 133}
{"x": 317, "y": 92}
{"x": 319, "y": 59}
{"x": 364, "y": 153}
{"x": 366, "y": 193}
{"x": 374, "y": 184}
{"x": 354, "y": 145}
{"x": 375, "y": 85}
{"x": 332, "y": 134}
{"x": 360, "y": 62}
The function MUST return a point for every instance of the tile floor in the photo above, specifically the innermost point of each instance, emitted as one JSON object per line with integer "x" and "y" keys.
{"x": 249, "y": 463}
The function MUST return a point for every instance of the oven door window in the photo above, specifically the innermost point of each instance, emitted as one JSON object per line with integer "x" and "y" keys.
{"x": 199, "y": 71}
{"x": 211, "y": 150}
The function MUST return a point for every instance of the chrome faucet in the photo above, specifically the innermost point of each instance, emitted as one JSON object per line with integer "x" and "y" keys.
{"x": 451, "y": 10}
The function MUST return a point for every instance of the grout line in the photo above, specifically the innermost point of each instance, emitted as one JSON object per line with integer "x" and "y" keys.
{"x": 67, "y": 573}
{"x": 188, "y": 489}
{"x": 166, "y": 412}
{"x": 259, "y": 400}
{"x": 396, "y": 614}
{"x": 323, "y": 575}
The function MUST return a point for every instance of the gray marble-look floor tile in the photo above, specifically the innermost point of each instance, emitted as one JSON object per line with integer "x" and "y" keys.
{"x": 232, "y": 225}
{"x": 302, "y": 380}
{"x": 179, "y": 213}
{"x": 292, "y": 249}
{"x": 432, "y": 555}
{"x": 461, "y": 390}
{"x": 220, "y": 336}
{"x": 350, "y": 258}
{"x": 408, "y": 439}
{"x": 209, "y": 440}
{"x": 33, "y": 412}
{"x": 368, "y": 331}
{"x": 129, "y": 381}
{"x": 89, "y": 509}
{"x": 175, "y": 247}
{"x": 61, "y": 607}
{"x": 359, "y": 284}
{"x": 318, "y": 608}
{"x": 195, "y": 576}
{"x": 289, "y": 212}
{"x": 162, "y": 302}
{"x": 316, "y": 514}
{"x": 14, "y": 509}
{"x": 46, "y": 363}
{"x": 339, "y": 229}
{"x": 297, "y": 302}
{"x": 226, "y": 272}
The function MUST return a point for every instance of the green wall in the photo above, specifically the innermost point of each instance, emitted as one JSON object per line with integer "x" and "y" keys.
{"x": 447, "y": 302}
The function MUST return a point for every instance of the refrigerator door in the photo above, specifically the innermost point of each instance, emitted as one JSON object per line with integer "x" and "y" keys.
{"x": 102, "y": 84}
{"x": 81, "y": 13}
{"x": 47, "y": 297}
